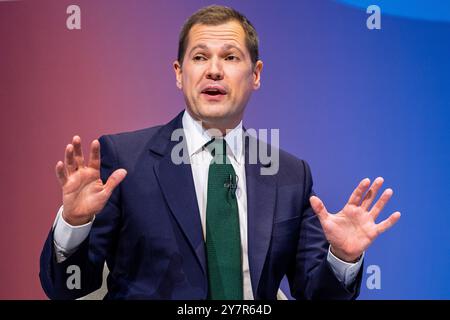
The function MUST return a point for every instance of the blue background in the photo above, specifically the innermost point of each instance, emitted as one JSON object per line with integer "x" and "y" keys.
{"x": 355, "y": 102}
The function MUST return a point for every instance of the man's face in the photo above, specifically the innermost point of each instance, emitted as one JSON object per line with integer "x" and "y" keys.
{"x": 217, "y": 76}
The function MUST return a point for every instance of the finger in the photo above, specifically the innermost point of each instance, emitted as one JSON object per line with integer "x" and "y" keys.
{"x": 94, "y": 157}
{"x": 61, "y": 173}
{"x": 379, "y": 205}
{"x": 389, "y": 222}
{"x": 372, "y": 193}
{"x": 78, "y": 152}
{"x": 114, "y": 179}
{"x": 356, "y": 196}
{"x": 318, "y": 207}
{"x": 69, "y": 160}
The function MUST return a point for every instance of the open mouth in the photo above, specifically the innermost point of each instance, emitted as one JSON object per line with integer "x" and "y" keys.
{"x": 214, "y": 91}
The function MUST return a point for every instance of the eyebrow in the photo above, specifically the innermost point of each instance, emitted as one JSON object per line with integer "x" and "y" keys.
{"x": 231, "y": 46}
{"x": 199, "y": 46}
{"x": 224, "y": 47}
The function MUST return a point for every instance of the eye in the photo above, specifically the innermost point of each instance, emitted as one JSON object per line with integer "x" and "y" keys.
{"x": 232, "y": 58}
{"x": 199, "y": 57}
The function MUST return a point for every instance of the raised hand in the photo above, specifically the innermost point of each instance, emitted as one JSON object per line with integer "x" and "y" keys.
{"x": 353, "y": 229}
{"x": 84, "y": 193}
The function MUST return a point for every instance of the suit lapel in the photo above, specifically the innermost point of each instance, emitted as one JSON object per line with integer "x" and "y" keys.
{"x": 261, "y": 197}
{"x": 177, "y": 185}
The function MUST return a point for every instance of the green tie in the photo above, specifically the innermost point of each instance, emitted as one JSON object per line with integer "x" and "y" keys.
{"x": 223, "y": 242}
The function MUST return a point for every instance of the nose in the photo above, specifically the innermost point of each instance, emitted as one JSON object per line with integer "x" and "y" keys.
{"x": 215, "y": 70}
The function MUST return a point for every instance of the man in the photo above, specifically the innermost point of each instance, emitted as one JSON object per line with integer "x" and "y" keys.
{"x": 214, "y": 227}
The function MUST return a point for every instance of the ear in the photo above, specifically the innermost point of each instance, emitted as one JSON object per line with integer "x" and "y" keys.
{"x": 257, "y": 74}
{"x": 178, "y": 77}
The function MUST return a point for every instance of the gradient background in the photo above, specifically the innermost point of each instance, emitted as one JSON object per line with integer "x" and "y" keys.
{"x": 353, "y": 102}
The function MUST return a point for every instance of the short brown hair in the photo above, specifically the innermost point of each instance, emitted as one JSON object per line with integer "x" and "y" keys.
{"x": 213, "y": 16}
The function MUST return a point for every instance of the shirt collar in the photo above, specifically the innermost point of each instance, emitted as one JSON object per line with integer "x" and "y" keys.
{"x": 197, "y": 137}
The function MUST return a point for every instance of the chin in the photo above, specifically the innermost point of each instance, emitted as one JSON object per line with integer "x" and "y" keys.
{"x": 215, "y": 111}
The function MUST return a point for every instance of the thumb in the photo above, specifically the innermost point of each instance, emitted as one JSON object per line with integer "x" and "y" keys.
{"x": 318, "y": 207}
{"x": 114, "y": 179}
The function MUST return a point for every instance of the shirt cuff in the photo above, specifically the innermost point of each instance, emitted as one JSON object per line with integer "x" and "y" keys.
{"x": 66, "y": 237}
{"x": 345, "y": 272}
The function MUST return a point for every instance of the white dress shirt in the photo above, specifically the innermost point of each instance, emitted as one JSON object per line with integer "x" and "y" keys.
{"x": 67, "y": 238}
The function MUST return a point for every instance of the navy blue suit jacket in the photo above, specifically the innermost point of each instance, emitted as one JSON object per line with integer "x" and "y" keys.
{"x": 150, "y": 233}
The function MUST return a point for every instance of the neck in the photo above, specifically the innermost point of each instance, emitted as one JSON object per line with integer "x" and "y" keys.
{"x": 222, "y": 125}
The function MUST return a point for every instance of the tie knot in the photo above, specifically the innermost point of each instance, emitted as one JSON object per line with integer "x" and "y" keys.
{"x": 217, "y": 147}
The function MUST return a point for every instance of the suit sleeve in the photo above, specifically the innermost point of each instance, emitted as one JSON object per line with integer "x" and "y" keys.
{"x": 99, "y": 246}
{"x": 310, "y": 275}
